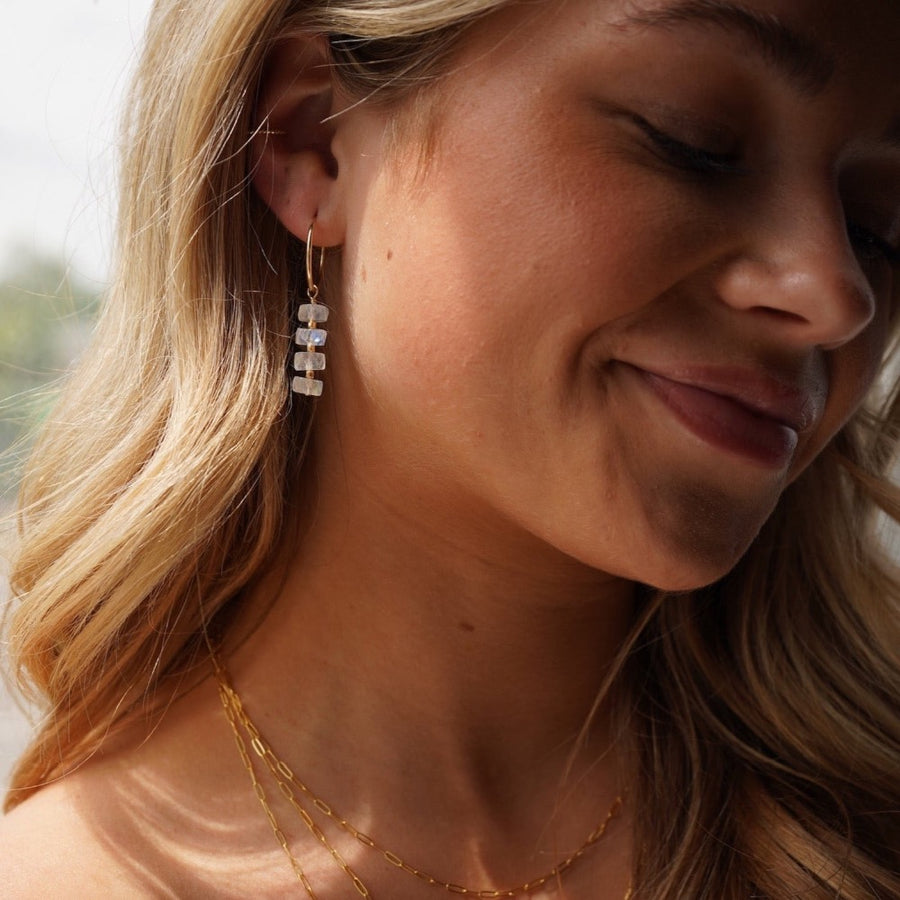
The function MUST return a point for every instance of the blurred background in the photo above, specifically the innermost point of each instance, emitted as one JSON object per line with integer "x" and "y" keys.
{"x": 64, "y": 65}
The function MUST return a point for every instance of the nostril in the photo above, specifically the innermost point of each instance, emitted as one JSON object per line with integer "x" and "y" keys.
{"x": 815, "y": 297}
{"x": 784, "y": 315}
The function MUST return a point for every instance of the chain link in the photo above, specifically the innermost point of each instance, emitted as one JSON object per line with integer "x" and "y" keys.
{"x": 288, "y": 784}
{"x": 261, "y": 795}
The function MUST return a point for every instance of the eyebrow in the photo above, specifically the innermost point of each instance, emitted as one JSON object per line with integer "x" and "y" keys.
{"x": 805, "y": 63}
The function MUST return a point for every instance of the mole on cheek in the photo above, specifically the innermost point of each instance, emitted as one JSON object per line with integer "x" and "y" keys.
{"x": 390, "y": 255}
{"x": 467, "y": 626}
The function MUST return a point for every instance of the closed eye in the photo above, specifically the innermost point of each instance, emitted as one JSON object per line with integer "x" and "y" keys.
{"x": 689, "y": 157}
{"x": 870, "y": 246}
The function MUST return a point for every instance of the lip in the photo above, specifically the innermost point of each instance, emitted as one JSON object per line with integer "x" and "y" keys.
{"x": 743, "y": 411}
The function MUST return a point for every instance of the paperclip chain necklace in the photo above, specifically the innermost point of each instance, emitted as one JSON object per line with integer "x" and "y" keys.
{"x": 292, "y": 788}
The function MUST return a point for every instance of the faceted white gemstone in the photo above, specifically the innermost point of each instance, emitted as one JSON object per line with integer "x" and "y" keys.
{"x": 313, "y": 312}
{"x": 309, "y": 387}
{"x": 309, "y": 362}
{"x": 314, "y": 336}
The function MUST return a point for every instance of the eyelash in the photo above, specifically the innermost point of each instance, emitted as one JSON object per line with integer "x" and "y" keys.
{"x": 872, "y": 246}
{"x": 696, "y": 160}
{"x": 688, "y": 157}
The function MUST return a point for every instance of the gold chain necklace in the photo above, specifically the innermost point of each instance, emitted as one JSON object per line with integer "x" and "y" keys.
{"x": 292, "y": 789}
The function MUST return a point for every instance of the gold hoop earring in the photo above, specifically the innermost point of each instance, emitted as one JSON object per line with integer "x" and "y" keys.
{"x": 309, "y": 335}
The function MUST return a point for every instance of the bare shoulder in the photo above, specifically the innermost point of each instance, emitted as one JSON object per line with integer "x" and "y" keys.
{"x": 161, "y": 813}
{"x": 50, "y": 847}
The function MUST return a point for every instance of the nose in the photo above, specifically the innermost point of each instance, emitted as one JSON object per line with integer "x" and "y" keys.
{"x": 799, "y": 270}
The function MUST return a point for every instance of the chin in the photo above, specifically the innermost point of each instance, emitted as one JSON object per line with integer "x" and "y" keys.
{"x": 700, "y": 542}
{"x": 690, "y": 570}
{"x": 680, "y": 579}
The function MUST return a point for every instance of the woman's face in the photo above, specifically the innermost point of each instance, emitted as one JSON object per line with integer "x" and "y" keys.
{"x": 641, "y": 280}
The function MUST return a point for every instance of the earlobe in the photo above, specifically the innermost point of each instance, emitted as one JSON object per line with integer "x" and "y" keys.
{"x": 293, "y": 167}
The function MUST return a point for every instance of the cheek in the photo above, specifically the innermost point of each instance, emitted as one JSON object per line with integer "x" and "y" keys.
{"x": 426, "y": 324}
{"x": 853, "y": 370}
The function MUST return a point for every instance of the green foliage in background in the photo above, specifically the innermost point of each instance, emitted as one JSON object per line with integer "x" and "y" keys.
{"x": 45, "y": 320}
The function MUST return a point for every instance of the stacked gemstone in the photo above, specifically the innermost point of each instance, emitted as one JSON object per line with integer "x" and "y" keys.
{"x": 309, "y": 361}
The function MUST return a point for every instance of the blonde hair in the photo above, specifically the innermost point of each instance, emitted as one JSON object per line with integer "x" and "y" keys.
{"x": 763, "y": 709}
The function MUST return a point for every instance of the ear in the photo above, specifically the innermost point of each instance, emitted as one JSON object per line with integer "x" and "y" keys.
{"x": 294, "y": 169}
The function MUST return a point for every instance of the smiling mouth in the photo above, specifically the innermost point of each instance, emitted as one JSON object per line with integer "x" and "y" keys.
{"x": 761, "y": 425}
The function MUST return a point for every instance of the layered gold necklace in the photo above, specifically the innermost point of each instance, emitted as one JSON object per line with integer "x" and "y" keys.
{"x": 309, "y": 806}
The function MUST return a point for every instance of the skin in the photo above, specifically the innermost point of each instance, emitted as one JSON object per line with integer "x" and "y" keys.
{"x": 493, "y": 469}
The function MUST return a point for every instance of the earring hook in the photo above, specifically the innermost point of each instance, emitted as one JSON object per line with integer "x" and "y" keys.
{"x": 311, "y": 286}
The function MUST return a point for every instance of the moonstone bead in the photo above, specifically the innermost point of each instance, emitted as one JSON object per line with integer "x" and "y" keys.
{"x": 314, "y": 336}
{"x": 309, "y": 387}
{"x": 309, "y": 362}
{"x": 312, "y": 312}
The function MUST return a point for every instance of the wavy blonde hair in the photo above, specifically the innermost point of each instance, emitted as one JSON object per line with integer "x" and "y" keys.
{"x": 762, "y": 711}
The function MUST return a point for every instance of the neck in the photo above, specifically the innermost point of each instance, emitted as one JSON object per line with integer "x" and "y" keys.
{"x": 450, "y": 666}
{"x": 469, "y": 672}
